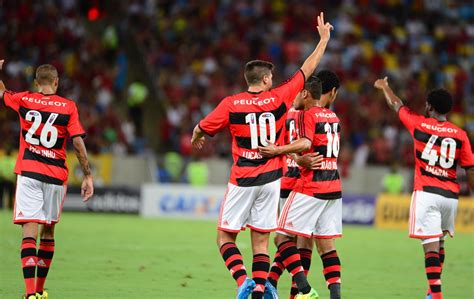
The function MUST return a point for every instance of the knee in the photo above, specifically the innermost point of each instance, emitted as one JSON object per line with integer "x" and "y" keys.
{"x": 325, "y": 246}
{"x": 47, "y": 232}
{"x": 280, "y": 238}
{"x": 224, "y": 237}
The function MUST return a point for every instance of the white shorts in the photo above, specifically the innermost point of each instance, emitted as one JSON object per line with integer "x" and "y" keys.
{"x": 310, "y": 217}
{"x": 254, "y": 207}
{"x": 281, "y": 204}
{"x": 431, "y": 215}
{"x": 38, "y": 202}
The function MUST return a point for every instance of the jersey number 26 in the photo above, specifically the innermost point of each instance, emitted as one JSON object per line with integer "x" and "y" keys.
{"x": 49, "y": 133}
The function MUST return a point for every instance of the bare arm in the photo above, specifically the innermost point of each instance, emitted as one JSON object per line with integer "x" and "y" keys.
{"x": 87, "y": 188}
{"x": 393, "y": 101}
{"x": 313, "y": 60}
{"x": 198, "y": 138}
{"x": 2, "y": 85}
{"x": 470, "y": 177}
{"x": 300, "y": 145}
{"x": 310, "y": 161}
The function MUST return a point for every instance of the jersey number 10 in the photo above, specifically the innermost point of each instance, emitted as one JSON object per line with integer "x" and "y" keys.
{"x": 49, "y": 133}
{"x": 264, "y": 118}
{"x": 447, "y": 151}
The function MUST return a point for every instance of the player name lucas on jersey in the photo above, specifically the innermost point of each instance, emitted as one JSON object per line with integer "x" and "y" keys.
{"x": 255, "y": 119}
{"x": 46, "y": 122}
{"x": 439, "y": 147}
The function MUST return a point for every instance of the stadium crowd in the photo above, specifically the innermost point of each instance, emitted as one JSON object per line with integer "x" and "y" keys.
{"x": 93, "y": 68}
{"x": 196, "y": 51}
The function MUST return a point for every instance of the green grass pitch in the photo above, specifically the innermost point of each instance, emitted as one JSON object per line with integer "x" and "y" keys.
{"x": 117, "y": 256}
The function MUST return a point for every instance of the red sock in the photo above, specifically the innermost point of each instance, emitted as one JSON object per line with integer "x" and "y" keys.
{"x": 234, "y": 262}
{"x": 45, "y": 256}
{"x": 28, "y": 263}
{"x": 305, "y": 255}
{"x": 332, "y": 267}
{"x": 441, "y": 263}
{"x": 276, "y": 270}
{"x": 433, "y": 273}
{"x": 260, "y": 267}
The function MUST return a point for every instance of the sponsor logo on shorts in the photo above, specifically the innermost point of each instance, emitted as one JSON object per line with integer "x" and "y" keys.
{"x": 420, "y": 230}
{"x": 20, "y": 214}
{"x": 225, "y": 222}
{"x": 289, "y": 224}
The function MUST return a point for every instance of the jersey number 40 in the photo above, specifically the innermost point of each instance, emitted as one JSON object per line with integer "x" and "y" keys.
{"x": 447, "y": 152}
{"x": 49, "y": 133}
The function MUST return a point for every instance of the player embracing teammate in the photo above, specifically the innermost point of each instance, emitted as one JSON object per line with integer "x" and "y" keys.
{"x": 314, "y": 208}
{"x": 439, "y": 147}
{"x": 47, "y": 121}
{"x": 256, "y": 118}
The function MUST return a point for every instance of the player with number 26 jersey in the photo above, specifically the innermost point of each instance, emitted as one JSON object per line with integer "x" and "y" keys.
{"x": 46, "y": 123}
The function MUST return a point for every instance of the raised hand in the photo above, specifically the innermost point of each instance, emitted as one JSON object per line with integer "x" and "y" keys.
{"x": 324, "y": 29}
{"x": 1, "y": 63}
{"x": 381, "y": 83}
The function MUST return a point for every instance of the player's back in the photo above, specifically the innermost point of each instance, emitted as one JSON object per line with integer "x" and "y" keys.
{"x": 439, "y": 146}
{"x": 46, "y": 123}
{"x": 292, "y": 126}
{"x": 255, "y": 119}
{"x": 322, "y": 128}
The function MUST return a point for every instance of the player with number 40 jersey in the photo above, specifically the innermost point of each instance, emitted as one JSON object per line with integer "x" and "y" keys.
{"x": 440, "y": 147}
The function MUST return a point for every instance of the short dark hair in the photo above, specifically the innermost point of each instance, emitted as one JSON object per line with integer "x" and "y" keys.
{"x": 46, "y": 74}
{"x": 256, "y": 69}
{"x": 313, "y": 86}
{"x": 441, "y": 100}
{"x": 329, "y": 80}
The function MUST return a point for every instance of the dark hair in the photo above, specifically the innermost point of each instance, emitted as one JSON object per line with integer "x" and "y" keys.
{"x": 313, "y": 86}
{"x": 329, "y": 80}
{"x": 46, "y": 74}
{"x": 441, "y": 100}
{"x": 256, "y": 69}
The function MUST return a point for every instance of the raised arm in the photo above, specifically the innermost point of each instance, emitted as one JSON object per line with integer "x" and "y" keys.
{"x": 313, "y": 60}
{"x": 300, "y": 145}
{"x": 393, "y": 101}
{"x": 87, "y": 188}
{"x": 2, "y": 85}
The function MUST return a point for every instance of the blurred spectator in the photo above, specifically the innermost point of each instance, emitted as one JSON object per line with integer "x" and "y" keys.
{"x": 174, "y": 166}
{"x": 197, "y": 173}
{"x": 7, "y": 178}
{"x": 393, "y": 181}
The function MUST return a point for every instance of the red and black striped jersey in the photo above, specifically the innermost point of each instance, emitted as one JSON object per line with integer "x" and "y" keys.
{"x": 254, "y": 119}
{"x": 322, "y": 128}
{"x": 293, "y": 124}
{"x": 439, "y": 147}
{"x": 46, "y": 122}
